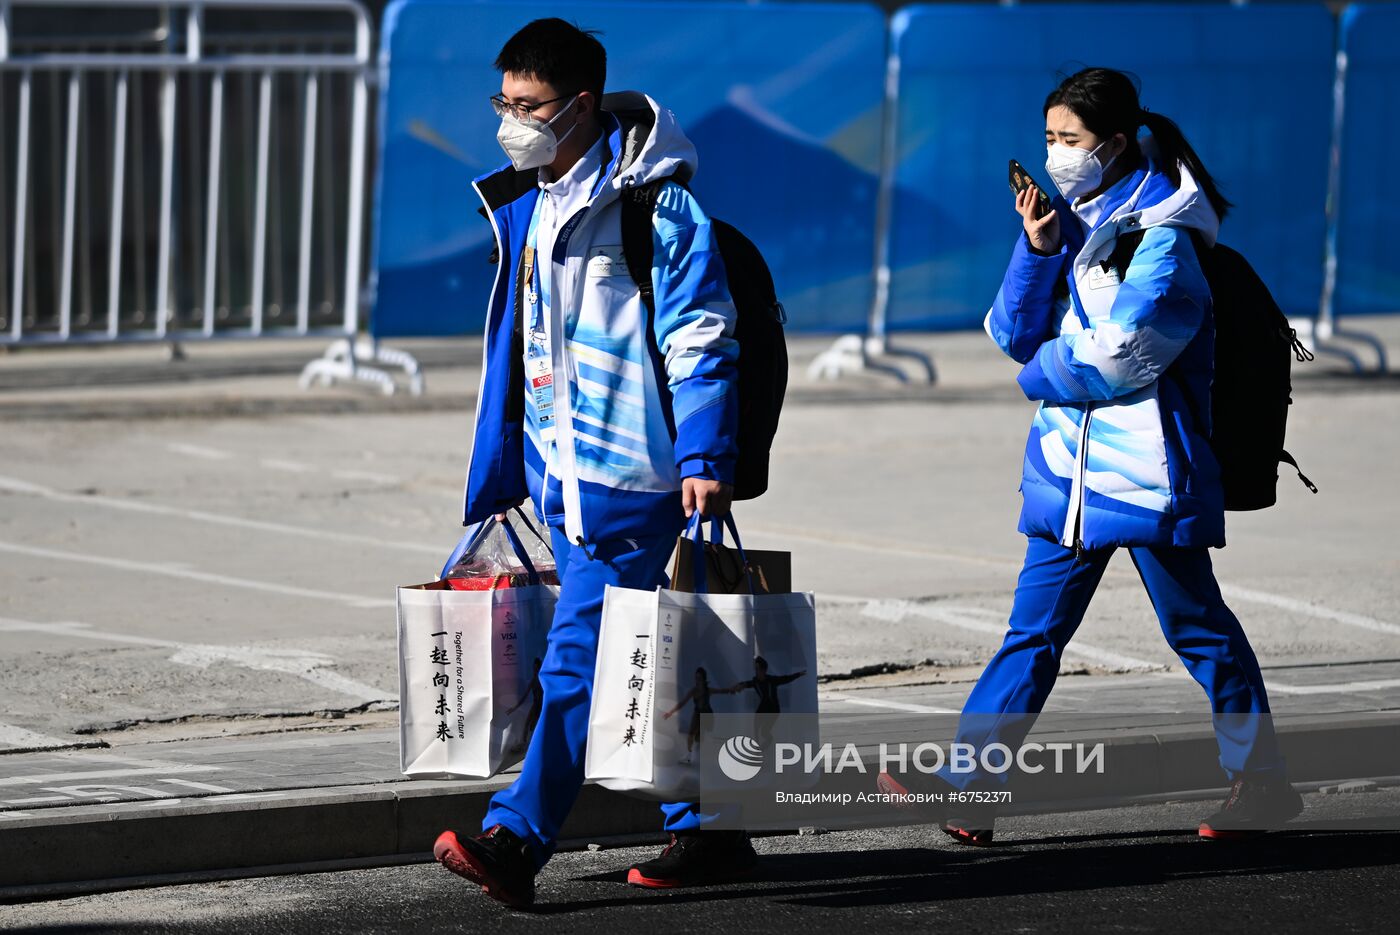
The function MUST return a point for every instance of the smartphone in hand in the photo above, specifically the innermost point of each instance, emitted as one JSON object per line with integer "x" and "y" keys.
{"x": 1021, "y": 180}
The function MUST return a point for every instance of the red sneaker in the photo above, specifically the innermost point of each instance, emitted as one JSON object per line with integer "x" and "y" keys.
{"x": 498, "y": 861}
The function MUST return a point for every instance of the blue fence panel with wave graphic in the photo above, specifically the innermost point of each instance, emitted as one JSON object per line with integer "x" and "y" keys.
{"x": 1368, "y": 276}
{"x": 1250, "y": 86}
{"x": 783, "y": 103}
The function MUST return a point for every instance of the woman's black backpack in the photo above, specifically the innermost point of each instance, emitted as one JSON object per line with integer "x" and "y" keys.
{"x": 763, "y": 362}
{"x": 1254, "y": 351}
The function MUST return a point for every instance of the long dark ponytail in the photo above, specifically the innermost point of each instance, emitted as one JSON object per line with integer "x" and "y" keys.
{"x": 1107, "y": 102}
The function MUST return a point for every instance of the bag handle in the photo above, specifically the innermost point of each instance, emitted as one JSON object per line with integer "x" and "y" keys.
{"x": 475, "y": 534}
{"x": 470, "y": 539}
{"x": 717, "y": 526}
{"x": 695, "y": 532}
{"x": 531, "y": 526}
{"x": 514, "y": 538}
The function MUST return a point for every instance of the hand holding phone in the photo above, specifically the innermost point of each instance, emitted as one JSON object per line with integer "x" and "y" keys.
{"x": 1042, "y": 225}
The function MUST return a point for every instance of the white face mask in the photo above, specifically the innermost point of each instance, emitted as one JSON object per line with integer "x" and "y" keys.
{"x": 531, "y": 143}
{"x": 1075, "y": 171}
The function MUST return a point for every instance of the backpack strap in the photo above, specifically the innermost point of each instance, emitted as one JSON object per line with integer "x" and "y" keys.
{"x": 1127, "y": 244}
{"x": 638, "y": 244}
{"x": 639, "y": 252}
{"x": 1123, "y": 249}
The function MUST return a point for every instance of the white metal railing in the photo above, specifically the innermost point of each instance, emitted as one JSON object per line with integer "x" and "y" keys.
{"x": 250, "y": 219}
{"x": 1321, "y": 332}
{"x": 872, "y": 351}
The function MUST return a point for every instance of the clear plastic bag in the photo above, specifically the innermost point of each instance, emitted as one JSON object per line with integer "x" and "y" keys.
{"x": 496, "y": 556}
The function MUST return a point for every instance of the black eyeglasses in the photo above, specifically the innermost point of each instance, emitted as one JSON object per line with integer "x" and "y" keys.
{"x": 521, "y": 111}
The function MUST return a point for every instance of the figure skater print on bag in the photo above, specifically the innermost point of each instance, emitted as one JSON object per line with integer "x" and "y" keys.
{"x": 534, "y": 693}
{"x": 699, "y": 696}
{"x": 766, "y": 687}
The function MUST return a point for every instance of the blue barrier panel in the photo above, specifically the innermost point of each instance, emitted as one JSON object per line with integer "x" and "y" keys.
{"x": 1250, "y": 86}
{"x": 783, "y": 103}
{"x": 1368, "y": 275}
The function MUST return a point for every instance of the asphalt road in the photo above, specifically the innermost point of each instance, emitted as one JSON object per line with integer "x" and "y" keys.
{"x": 222, "y": 568}
{"x": 1067, "y": 873}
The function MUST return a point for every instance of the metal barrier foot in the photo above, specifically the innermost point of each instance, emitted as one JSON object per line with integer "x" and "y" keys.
{"x": 348, "y": 362}
{"x": 881, "y": 347}
{"x": 854, "y": 353}
{"x": 1363, "y": 337}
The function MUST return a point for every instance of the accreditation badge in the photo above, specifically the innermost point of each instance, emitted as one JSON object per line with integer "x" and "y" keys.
{"x": 539, "y": 374}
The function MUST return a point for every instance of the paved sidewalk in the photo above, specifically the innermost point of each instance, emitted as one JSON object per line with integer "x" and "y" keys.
{"x": 73, "y": 816}
{"x": 306, "y": 797}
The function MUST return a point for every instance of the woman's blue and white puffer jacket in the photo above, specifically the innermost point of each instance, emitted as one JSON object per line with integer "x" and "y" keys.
{"x": 1118, "y": 452}
{"x": 636, "y": 418}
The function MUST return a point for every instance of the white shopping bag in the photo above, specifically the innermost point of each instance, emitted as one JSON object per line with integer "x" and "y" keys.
{"x": 665, "y": 652}
{"x": 469, "y": 691}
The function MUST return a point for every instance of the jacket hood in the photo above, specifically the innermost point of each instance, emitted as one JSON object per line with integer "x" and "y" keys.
{"x": 651, "y": 144}
{"x": 1158, "y": 203}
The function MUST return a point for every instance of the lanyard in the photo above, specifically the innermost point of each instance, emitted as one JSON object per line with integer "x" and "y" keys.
{"x": 539, "y": 368}
{"x": 530, "y": 260}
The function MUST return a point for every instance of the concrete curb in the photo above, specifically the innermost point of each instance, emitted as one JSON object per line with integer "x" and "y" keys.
{"x": 315, "y": 402}
{"x": 371, "y": 824}
{"x": 173, "y": 406}
{"x": 221, "y": 383}
{"x": 208, "y": 403}
{"x": 98, "y": 848}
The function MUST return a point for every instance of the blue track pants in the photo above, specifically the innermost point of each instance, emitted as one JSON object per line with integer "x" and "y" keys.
{"x": 536, "y": 804}
{"x": 1052, "y": 596}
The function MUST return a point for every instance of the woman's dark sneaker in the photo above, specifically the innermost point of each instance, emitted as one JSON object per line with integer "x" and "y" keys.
{"x": 498, "y": 861}
{"x": 696, "y": 857}
{"x": 974, "y": 822}
{"x": 969, "y": 831}
{"x": 924, "y": 793}
{"x": 1253, "y": 807}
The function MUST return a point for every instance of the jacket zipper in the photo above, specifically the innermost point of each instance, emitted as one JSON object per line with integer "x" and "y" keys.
{"x": 563, "y": 363}
{"x": 1074, "y": 527}
{"x": 1076, "y": 537}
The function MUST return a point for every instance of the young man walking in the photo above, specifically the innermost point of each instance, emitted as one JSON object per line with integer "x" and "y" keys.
{"x": 616, "y": 423}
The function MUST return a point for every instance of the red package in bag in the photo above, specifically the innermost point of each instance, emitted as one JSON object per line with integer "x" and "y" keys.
{"x": 496, "y": 557}
{"x": 483, "y": 583}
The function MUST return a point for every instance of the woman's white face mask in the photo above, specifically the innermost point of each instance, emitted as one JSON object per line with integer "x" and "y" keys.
{"x": 1075, "y": 171}
{"x": 530, "y": 142}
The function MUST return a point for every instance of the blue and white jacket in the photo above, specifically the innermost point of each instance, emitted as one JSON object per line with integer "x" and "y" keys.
{"x": 631, "y": 420}
{"x": 1118, "y": 452}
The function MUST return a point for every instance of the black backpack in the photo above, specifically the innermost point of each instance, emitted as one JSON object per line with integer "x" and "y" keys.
{"x": 763, "y": 362}
{"x": 1252, "y": 390}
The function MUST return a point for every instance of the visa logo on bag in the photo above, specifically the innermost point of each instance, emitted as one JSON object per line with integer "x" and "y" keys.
{"x": 507, "y": 636}
{"x": 667, "y": 639}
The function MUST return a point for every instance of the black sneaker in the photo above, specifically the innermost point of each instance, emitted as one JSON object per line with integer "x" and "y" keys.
{"x": 498, "y": 861}
{"x": 1252, "y": 808}
{"x": 909, "y": 787}
{"x": 974, "y": 831}
{"x": 915, "y": 784}
{"x": 696, "y": 857}
{"x": 972, "y": 824}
